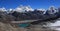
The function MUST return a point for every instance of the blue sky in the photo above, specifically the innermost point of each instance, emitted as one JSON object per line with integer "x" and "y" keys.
{"x": 33, "y": 3}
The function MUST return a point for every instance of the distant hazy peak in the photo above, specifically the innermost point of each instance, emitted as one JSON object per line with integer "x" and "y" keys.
{"x": 3, "y": 9}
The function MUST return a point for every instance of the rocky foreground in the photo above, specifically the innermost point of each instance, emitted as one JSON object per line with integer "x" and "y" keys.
{"x": 10, "y": 27}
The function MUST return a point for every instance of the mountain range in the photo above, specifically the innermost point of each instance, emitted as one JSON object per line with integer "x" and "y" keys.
{"x": 27, "y": 13}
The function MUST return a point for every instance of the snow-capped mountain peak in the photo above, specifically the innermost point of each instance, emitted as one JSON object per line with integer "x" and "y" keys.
{"x": 23, "y": 8}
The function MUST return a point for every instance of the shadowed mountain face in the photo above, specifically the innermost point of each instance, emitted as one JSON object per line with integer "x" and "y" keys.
{"x": 6, "y": 18}
{"x": 28, "y": 15}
